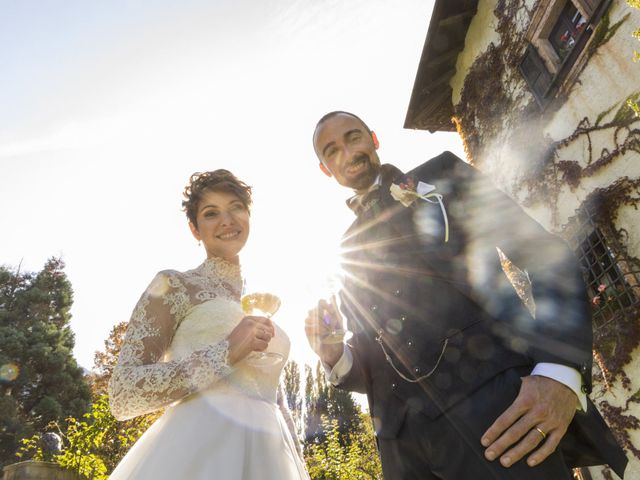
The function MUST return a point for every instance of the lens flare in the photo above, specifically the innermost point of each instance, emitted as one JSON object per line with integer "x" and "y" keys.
{"x": 9, "y": 372}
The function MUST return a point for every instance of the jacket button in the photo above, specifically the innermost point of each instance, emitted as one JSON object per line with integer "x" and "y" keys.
{"x": 410, "y": 343}
{"x": 394, "y": 386}
{"x": 397, "y": 293}
{"x": 403, "y": 318}
{"x": 416, "y": 370}
{"x": 374, "y": 308}
{"x": 584, "y": 389}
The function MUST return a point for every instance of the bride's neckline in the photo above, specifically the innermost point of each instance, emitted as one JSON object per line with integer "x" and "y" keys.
{"x": 221, "y": 267}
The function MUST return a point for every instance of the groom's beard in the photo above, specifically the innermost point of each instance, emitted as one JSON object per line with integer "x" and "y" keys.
{"x": 364, "y": 179}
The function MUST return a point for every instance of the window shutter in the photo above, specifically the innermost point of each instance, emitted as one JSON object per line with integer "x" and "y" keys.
{"x": 536, "y": 74}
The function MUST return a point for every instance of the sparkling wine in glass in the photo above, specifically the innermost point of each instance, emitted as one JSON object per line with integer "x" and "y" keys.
{"x": 263, "y": 305}
{"x": 333, "y": 332}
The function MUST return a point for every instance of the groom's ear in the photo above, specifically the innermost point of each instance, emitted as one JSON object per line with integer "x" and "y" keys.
{"x": 374, "y": 137}
{"x": 325, "y": 170}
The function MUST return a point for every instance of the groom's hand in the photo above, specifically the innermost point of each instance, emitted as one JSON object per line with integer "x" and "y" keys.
{"x": 535, "y": 422}
{"x": 320, "y": 320}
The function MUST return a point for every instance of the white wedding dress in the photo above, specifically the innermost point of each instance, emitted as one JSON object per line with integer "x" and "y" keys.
{"x": 220, "y": 422}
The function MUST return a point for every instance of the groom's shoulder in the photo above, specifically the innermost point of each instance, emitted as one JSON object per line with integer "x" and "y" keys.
{"x": 446, "y": 162}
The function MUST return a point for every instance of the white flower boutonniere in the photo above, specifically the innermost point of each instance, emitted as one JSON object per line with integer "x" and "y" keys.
{"x": 408, "y": 192}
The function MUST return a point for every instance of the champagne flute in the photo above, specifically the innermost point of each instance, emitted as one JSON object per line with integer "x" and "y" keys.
{"x": 264, "y": 305}
{"x": 333, "y": 331}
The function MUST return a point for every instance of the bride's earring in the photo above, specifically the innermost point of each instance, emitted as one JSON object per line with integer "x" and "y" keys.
{"x": 199, "y": 243}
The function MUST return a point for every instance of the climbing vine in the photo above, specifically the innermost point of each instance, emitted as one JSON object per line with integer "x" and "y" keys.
{"x": 617, "y": 336}
{"x": 636, "y": 55}
{"x": 496, "y": 108}
{"x": 495, "y": 103}
{"x": 615, "y": 332}
{"x": 545, "y": 182}
{"x": 494, "y": 78}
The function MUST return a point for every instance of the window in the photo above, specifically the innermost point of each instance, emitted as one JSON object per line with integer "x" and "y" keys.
{"x": 557, "y": 35}
{"x": 608, "y": 286}
{"x": 566, "y": 31}
{"x": 612, "y": 284}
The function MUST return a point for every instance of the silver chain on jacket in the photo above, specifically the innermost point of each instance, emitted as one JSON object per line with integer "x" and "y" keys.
{"x": 402, "y": 375}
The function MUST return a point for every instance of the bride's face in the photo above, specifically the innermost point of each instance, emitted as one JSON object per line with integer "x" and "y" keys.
{"x": 223, "y": 225}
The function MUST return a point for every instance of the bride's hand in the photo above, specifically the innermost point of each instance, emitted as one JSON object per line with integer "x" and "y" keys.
{"x": 252, "y": 334}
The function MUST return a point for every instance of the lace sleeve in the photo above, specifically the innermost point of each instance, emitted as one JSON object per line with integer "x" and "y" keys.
{"x": 288, "y": 418}
{"x": 142, "y": 382}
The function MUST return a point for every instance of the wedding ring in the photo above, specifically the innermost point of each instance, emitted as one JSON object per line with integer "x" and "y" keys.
{"x": 544, "y": 435}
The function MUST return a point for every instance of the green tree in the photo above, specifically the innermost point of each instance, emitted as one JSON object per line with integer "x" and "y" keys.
{"x": 350, "y": 456}
{"x": 343, "y": 408}
{"x": 119, "y": 436}
{"x": 40, "y": 381}
{"x": 94, "y": 445}
{"x": 339, "y": 439}
{"x": 291, "y": 385}
{"x": 323, "y": 399}
{"x": 105, "y": 361}
{"x": 316, "y": 403}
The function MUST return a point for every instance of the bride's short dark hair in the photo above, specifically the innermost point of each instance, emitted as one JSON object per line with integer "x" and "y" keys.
{"x": 220, "y": 180}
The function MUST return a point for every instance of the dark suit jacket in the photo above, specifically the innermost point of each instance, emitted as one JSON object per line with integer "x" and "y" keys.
{"x": 448, "y": 308}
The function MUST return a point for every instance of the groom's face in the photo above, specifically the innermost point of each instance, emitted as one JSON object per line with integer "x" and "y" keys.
{"x": 345, "y": 147}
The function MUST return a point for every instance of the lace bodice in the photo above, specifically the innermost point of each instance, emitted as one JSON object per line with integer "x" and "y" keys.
{"x": 176, "y": 342}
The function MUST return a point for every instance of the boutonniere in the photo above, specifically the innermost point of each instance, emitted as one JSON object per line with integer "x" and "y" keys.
{"x": 408, "y": 192}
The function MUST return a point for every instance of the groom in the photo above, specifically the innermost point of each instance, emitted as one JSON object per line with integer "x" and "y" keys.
{"x": 463, "y": 380}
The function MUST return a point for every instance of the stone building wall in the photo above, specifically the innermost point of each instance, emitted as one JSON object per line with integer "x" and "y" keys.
{"x": 557, "y": 160}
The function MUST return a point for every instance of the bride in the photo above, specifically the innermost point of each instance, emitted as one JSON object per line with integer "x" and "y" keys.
{"x": 185, "y": 351}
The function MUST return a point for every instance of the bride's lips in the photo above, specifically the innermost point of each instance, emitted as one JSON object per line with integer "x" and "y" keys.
{"x": 229, "y": 235}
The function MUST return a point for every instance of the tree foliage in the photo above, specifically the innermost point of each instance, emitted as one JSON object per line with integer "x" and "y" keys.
{"x": 345, "y": 456}
{"x": 322, "y": 399}
{"x": 340, "y": 443}
{"x": 316, "y": 404}
{"x": 291, "y": 385}
{"x": 120, "y": 436}
{"x": 94, "y": 445}
{"x": 105, "y": 361}
{"x": 40, "y": 381}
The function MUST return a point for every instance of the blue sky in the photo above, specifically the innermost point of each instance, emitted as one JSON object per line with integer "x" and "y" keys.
{"x": 107, "y": 108}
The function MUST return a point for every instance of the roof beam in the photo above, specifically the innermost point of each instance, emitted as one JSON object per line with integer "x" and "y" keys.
{"x": 436, "y": 82}
{"x": 442, "y": 58}
{"x": 455, "y": 20}
{"x": 435, "y": 101}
